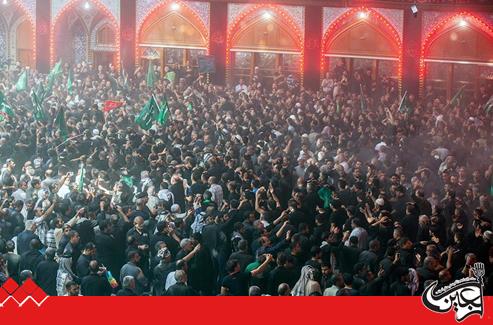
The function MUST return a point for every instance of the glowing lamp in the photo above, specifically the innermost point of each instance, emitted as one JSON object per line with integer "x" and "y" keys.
{"x": 175, "y": 6}
{"x": 462, "y": 22}
{"x": 267, "y": 15}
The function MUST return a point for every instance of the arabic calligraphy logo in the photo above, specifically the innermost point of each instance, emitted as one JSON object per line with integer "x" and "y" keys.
{"x": 464, "y": 295}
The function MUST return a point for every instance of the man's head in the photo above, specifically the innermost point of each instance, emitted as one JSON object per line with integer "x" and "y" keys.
{"x": 284, "y": 290}
{"x": 139, "y": 223}
{"x": 186, "y": 244}
{"x": 254, "y": 291}
{"x": 74, "y": 237}
{"x": 35, "y": 244}
{"x": 133, "y": 256}
{"x": 72, "y": 288}
{"x": 232, "y": 266}
{"x": 128, "y": 282}
{"x": 181, "y": 276}
{"x": 93, "y": 266}
{"x": 90, "y": 249}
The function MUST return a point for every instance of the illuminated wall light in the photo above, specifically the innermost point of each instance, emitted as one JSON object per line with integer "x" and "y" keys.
{"x": 107, "y": 13}
{"x": 431, "y": 37}
{"x": 363, "y": 15}
{"x": 233, "y": 28}
{"x": 267, "y": 15}
{"x": 198, "y": 22}
{"x": 175, "y": 6}
{"x": 5, "y": 2}
{"x": 463, "y": 22}
{"x": 87, "y": 5}
{"x": 343, "y": 19}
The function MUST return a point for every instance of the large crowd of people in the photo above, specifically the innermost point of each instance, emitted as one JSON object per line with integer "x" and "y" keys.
{"x": 246, "y": 189}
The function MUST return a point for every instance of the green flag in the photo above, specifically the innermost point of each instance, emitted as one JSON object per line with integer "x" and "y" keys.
{"x": 5, "y": 110}
{"x": 489, "y": 105}
{"x": 189, "y": 107}
{"x": 455, "y": 101}
{"x": 70, "y": 82}
{"x": 41, "y": 92}
{"x": 362, "y": 98}
{"x": 164, "y": 112}
{"x": 39, "y": 114}
{"x": 127, "y": 180}
{"x": 149, "y": 113}
{"x": 52, "y": 76}
{"x": 60, "y": 123}
{"x": 22, "y": 82}
{"x": 150, "y": 75}
{"x": 82, "y": 175}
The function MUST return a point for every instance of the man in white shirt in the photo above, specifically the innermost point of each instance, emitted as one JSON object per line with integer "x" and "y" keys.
{"x": 241, "y": 86}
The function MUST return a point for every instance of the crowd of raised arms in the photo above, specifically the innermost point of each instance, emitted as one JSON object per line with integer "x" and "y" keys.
{"x": 260, "y": 188}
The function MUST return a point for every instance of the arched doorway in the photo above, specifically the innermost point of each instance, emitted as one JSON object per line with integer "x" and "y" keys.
{"x": 103, "y": 43}
{"x": 91, "y": 32}
{"x": 23, "y": 42}
{"x": 17, "y": 38}
{"x": 363, "y": 41}
{"x": 172, "y": 35}
{"x": 457, "y": 53}
{"x": 264, "y": 43}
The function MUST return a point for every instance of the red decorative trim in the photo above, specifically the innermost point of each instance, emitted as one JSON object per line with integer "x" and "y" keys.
{"x": 69, "y": 6}
{"x": 234, "y": 28}
{"x": 31, "y": 19}
{"x": 183, "y": 6}
{"x": 439, "y": 29}
{"x": 352, "y": 13}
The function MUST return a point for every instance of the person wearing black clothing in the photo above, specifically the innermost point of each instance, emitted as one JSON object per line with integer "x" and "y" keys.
{"x": 31, "y": 258}
{"x": 25, "y": 237}
{"x": 95, "y": 283}
{"x": 236, "y": 282}
{"x": 46, "y": 273}
{"x": 282, "y": 273}
{"x": 142, "y": 241}
{"x": 88, "y": 254}
{"x": 166, "y": 234}
{"x": 128, "y": 287}
{"x": 242, "y": 256}
{"x": 108, "y": 253}
{"x": 12, "y": 260}
{"x": 180, "y": 288}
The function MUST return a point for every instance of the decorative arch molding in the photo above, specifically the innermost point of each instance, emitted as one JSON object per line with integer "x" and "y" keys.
{"x": 27, "y": 10}
{"x": 13, "y": 36}
{"x": 375, "y": 19}
{"x": 445, "y": 25}
{"x": 58, "y": 11}
{"x": 94, "y": 46}
{"x": 158, "y": 12}
{"x": 250, "y": 14}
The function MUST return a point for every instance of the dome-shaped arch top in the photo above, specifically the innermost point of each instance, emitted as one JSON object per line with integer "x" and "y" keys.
{"x": 376, "y": 36}
{"x": 458, "y": 38}
{"x": 173, "y": 24}
{"x": 173, "y": 28}
{"x": 267, "y": 28}
{"x": 461, "y": 42}
{"x": 74, "y": 5}
{"x": 371, "y": 41}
